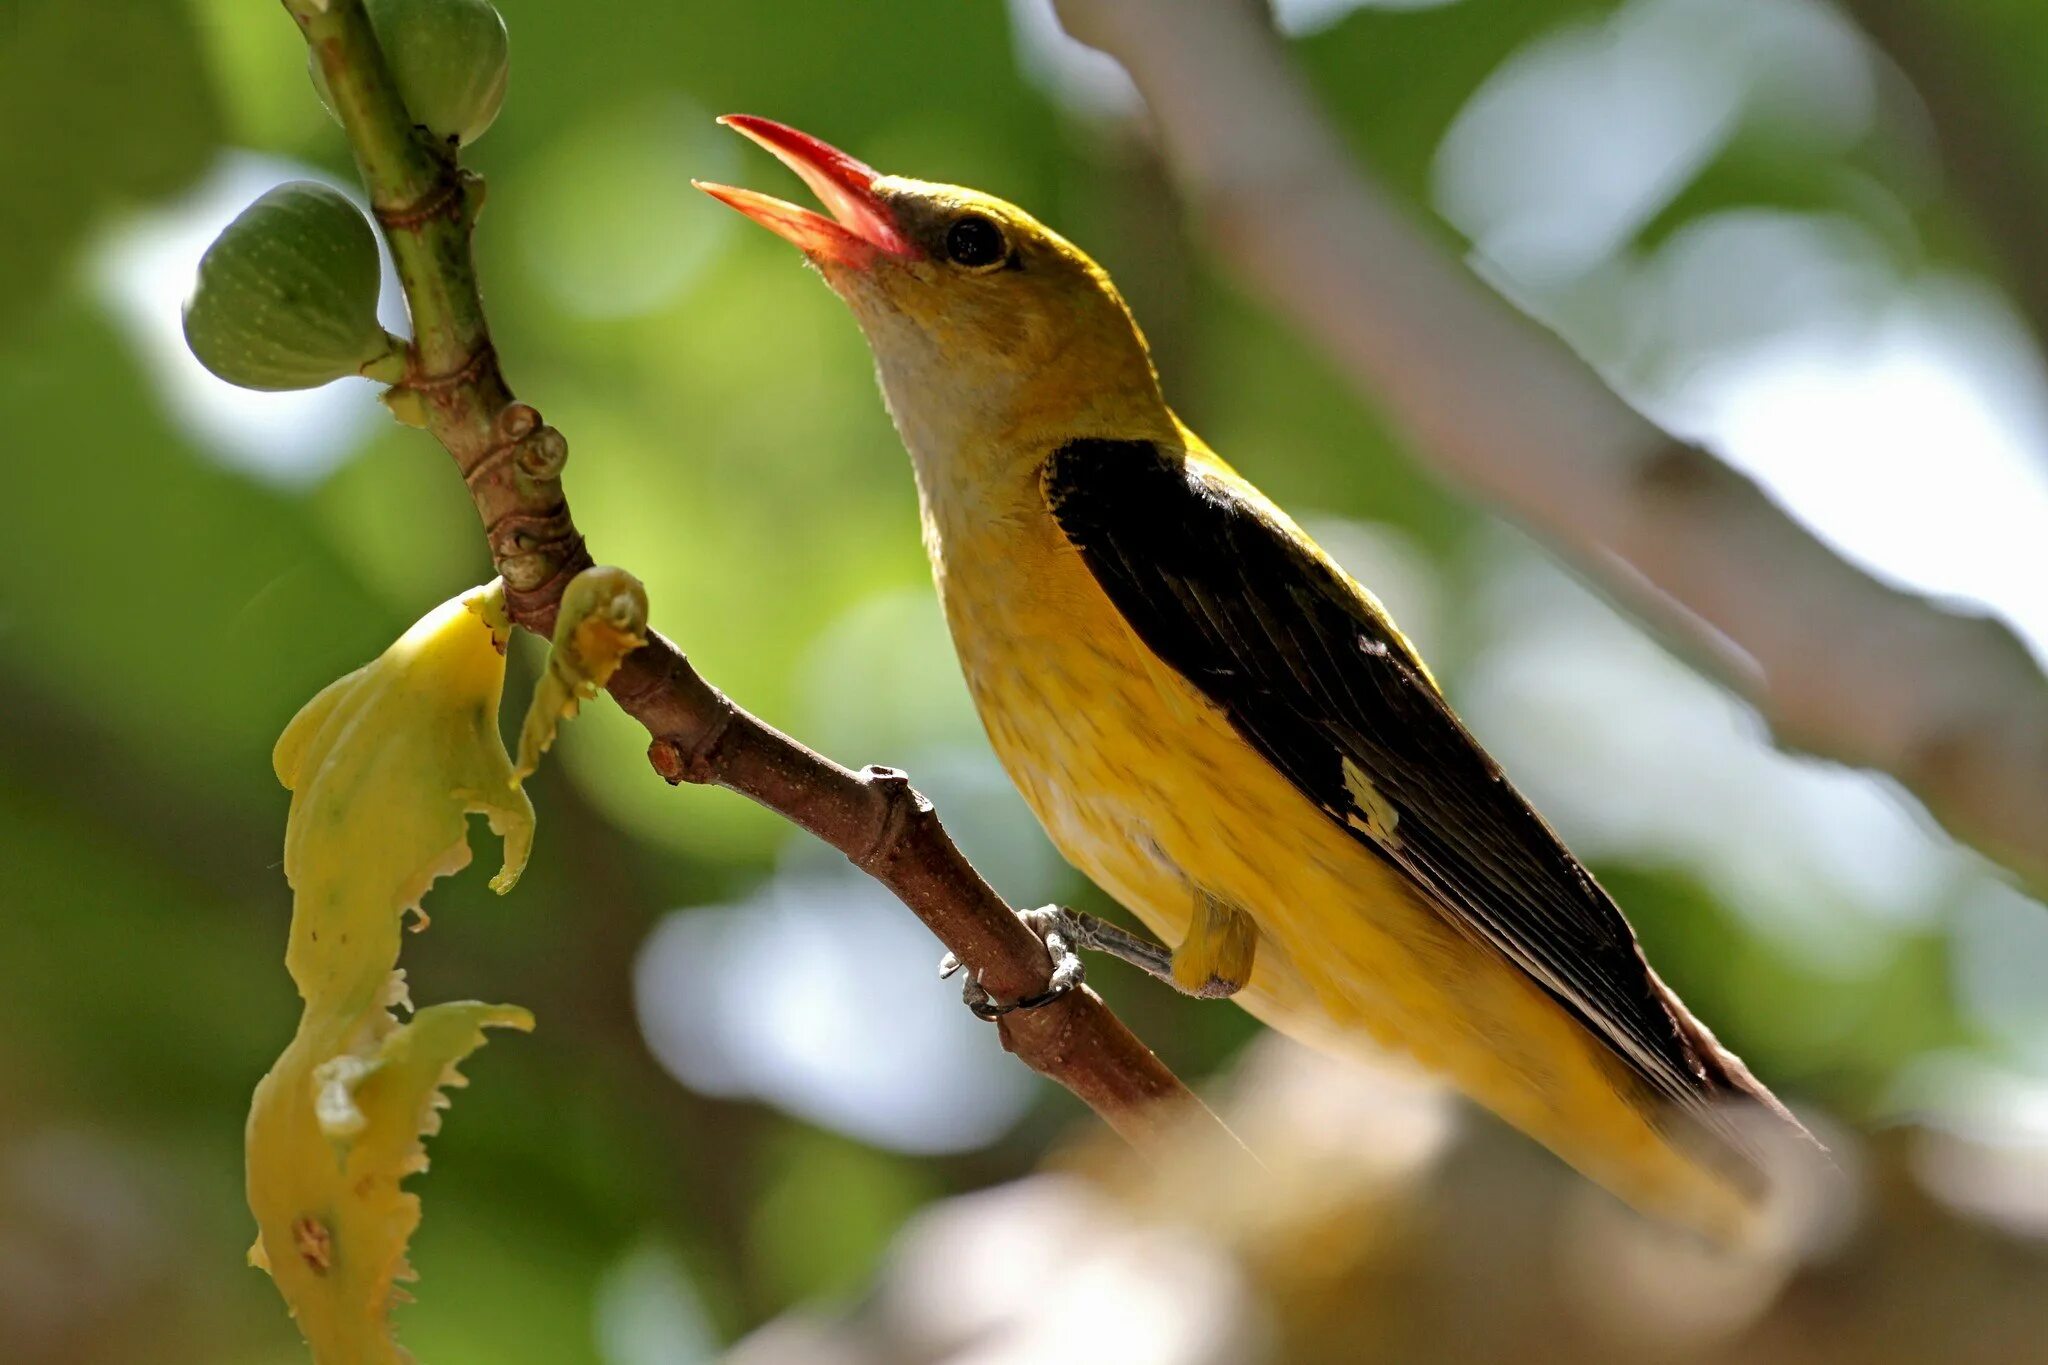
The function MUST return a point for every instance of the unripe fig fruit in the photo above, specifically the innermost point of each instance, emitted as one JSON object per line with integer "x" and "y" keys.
{"x": 449, "y": 57}
{"x": 287, "y": 294}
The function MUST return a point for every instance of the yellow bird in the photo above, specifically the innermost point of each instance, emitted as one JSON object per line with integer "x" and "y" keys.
{"x": 1226, "y": 732}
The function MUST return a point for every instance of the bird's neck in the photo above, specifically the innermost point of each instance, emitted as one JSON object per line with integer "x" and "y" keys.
{"x": 978, "y": 438}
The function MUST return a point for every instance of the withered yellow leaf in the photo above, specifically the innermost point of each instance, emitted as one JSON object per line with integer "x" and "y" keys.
{"x": 385, "y": 765}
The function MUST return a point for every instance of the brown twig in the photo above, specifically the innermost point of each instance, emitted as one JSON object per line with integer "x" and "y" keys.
{"x": 512, "y": 463}
{"x": 1839, "y": 664}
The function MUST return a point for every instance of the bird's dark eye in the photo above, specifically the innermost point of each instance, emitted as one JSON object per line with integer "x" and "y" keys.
{"x": 975, "y": 242}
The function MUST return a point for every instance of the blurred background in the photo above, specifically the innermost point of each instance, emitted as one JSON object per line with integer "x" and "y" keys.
{"x": 1782, "y": 226}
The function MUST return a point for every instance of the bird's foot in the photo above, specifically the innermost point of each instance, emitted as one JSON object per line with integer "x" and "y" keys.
{"x": 1060, "y": 930}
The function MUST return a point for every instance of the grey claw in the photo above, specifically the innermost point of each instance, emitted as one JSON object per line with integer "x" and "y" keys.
{"x": 1058, "y": 928}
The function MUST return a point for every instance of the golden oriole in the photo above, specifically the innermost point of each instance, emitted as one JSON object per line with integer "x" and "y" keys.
{"x": 1224, "y": 730}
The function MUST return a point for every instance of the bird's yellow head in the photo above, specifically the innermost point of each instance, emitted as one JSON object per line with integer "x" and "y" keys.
{"x": 994, "y": 336}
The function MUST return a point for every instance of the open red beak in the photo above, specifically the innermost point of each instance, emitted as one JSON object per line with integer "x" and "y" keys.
{"x": 861, "y": 226}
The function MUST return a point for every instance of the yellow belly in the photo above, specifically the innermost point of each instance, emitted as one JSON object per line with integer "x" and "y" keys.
{"x": 1144, "y": 786}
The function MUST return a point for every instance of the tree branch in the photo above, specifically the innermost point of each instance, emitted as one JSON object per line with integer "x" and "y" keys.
{"x": 512, "y": 463}
{"x": 1839, "y": 664}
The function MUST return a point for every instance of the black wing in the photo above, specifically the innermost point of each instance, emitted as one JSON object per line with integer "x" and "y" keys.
{"x": 1326, "y": 689}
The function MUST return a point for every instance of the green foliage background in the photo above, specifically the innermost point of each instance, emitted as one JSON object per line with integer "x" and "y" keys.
{"x": 162, "y": 614}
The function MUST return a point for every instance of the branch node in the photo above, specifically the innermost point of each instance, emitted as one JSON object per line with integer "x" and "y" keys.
{"x": 460, "y": 377}
{"x": 444, "y": 199}
{"x": 901, "y": 806}
{"x": 697, "y": 762}
{"x": 532, "y": 548}
{"x": 537, "y": 450}
{"x": 542, "y": 455}
{"x": 666, "y": 757}
{"x": 537, "y": 601}
{"x": 516, "y": 420}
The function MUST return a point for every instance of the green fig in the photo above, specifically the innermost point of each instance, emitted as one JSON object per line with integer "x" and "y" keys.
{"x": 449, "y": 57}
{"x": 287, "y": 294}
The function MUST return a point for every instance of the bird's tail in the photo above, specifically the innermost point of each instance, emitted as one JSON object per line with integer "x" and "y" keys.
{"x": 1750, "y": 1157}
